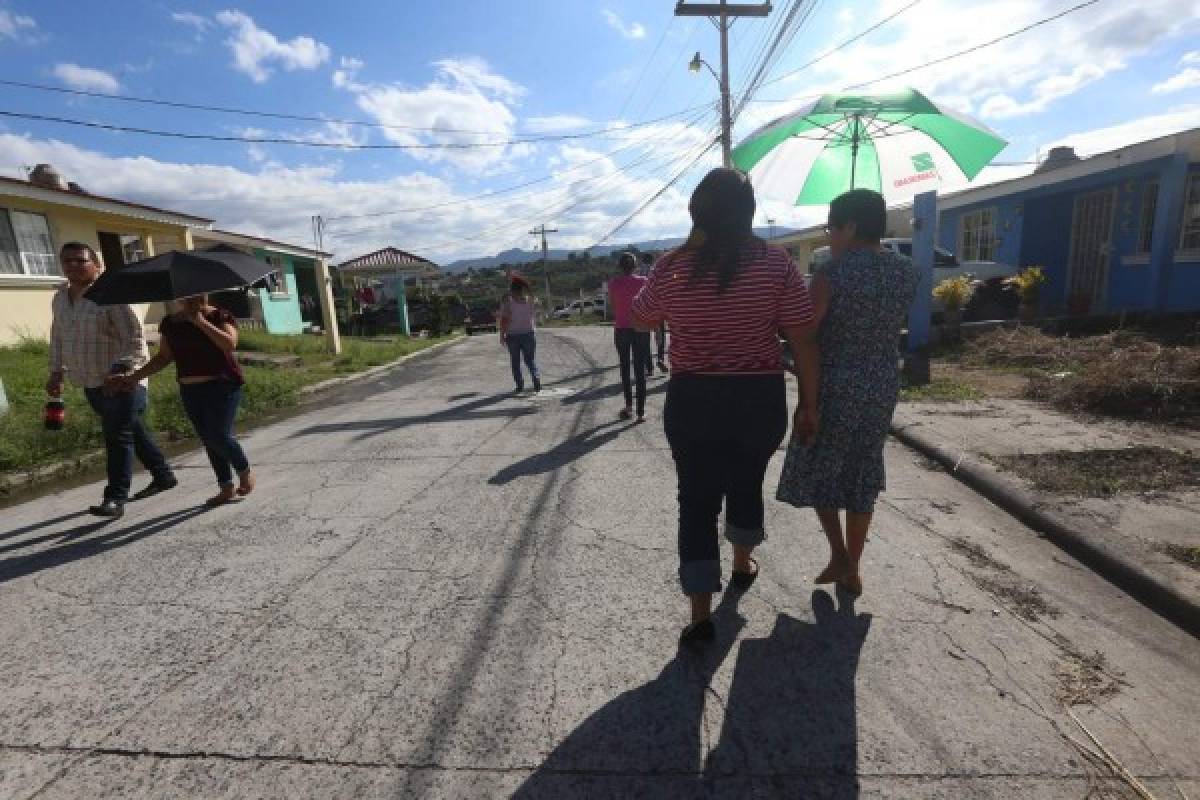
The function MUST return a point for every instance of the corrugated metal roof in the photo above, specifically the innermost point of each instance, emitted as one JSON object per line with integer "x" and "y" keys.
{"x": 392, "y": 257}
{"x": 87, "y": 199}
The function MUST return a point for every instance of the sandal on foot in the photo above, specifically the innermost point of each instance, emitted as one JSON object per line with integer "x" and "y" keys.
{"x": 222, "y": 500}
{"x": 247, "y": 482}
{"x": 625, "y": 414}
{"x": 742, "y": 581}
{"x": 698, "y": 632}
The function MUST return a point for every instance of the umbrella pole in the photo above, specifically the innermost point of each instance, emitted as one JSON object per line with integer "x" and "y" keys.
{"x": 854, "y": 139}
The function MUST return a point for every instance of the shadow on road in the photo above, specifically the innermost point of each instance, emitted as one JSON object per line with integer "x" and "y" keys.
{"x": 45, "y": 523}
{"x": 609, "y": 390}
{"x": 790, "y": 713}
{"x": 75, "y": 547}
{"x": 477, "y": 409}
{"x": 559, "y": 456}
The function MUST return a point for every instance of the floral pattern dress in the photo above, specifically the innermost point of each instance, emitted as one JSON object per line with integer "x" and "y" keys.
{"x": 870, "y": 295}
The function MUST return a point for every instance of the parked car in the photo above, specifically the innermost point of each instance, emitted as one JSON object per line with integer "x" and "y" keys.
{"x": 480, "y": 320}
{"x": 993, "y": 298}
{"x": 579, "y": 308}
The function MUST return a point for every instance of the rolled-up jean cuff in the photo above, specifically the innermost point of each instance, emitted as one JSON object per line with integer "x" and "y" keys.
{"x": 746, "y": 537}
{"x": 700, "y": 577}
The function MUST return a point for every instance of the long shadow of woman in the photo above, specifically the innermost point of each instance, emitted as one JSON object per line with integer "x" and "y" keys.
{"x": 790, "y": 711}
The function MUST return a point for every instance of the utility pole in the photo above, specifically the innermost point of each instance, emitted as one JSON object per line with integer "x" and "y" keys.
{"x": 720, "y": 14}
{"x": 542, "y": 230}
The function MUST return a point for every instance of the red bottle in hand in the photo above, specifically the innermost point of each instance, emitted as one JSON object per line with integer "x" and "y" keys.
{"x": 55, "y": 414}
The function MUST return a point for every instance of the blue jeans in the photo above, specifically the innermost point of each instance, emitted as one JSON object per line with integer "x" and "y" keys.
{"x": 523, "y": 345}
{"x": 212, "y": 408}
{"x": 124, "y": 435}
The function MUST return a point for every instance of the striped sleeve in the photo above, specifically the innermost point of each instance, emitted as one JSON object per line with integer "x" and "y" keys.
{"x": 795, "y": 305}
{"x": 647, "y": 309}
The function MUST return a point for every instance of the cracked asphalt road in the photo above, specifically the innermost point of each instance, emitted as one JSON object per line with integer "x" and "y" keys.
{"x": 439, "y": 590}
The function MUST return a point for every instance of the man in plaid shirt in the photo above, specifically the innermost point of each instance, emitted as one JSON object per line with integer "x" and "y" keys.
{"x": 88, "y": 343}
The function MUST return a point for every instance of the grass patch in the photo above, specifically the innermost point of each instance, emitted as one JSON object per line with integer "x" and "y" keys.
{"x": 25, "y": 444}
{"x": 1125, "y": 373}
{"x": 1103, "y": 473}
{"x": 1189, "y": 556}
{"x": 940, "y": 390}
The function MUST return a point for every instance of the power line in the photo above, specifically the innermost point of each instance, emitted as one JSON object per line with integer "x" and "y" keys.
{"x": 977, "y": 47}
{"x": 841, "y": 46}
{"x": 657, "y": 194}
{"x": 646, "y": 66}
{"x": 783, "y": 39}
{"x": 695, "y": 119}
{"x": 212, "y": 137}
{"x": 308, "y": 118}
{"x": 550, "y": 211}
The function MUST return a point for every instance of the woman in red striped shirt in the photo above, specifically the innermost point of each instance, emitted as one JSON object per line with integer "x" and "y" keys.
{"x": 726, "y": 296}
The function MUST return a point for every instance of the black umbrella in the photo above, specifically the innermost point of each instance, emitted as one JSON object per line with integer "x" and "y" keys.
{"x": 176, "y": 274}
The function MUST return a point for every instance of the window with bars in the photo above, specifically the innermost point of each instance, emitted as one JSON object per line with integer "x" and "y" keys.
{"x": 1146, "y": 228}
{"x": 26, "y": 247}
{"x": 1189, "y": 234}
{"x": 977, "y": 235}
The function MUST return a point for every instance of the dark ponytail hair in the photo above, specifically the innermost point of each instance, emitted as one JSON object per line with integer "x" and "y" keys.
{"x": 722, "y": 209}
{"x": 627, "y": 262}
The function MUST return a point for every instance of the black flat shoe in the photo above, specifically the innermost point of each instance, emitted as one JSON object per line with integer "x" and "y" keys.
{"x": 156, "y": 486}
{"x": 698, "y": 632}
{"x": 741, "y": 581}
{"x": 109, "y": 508}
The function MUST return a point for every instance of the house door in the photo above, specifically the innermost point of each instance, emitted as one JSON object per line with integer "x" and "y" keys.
{"x": 111, "y": 250}
{"x": 1091, "y": 251}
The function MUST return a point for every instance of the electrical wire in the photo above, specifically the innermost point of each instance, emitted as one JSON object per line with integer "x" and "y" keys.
{"x": 308, "y": 118}
{"x": 694, "y": 120}
{"x": 976, "y": 48}
{"x": 841, "y": 46}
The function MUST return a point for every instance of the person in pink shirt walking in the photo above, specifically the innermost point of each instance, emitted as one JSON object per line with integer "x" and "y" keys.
{"x": 633, "y": 345}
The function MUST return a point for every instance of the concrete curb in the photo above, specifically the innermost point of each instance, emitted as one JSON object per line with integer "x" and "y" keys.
{"x": 374, "y": 371}
{"x": 1115, "y": 567}
{"x": 24, "y": 481}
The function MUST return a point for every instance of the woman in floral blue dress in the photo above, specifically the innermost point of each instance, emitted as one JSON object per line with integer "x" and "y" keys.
{"x": 861, "y": 298}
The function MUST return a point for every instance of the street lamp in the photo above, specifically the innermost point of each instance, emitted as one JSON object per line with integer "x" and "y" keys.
{"x": 726, "y": 136}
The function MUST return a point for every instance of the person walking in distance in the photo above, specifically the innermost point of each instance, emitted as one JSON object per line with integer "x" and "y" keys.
{"x": 518, "y": 311}
{"x": 861, "y": 296}
{"x": 726, "y": 295}
{"x": 660, "y": 333}
{"x": 88, "y": 344}
{"x": 200, "y": 339}
{"x": 633, "y": 345}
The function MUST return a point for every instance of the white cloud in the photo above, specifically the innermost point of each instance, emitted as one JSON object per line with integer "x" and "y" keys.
{"x": 466, "y": 103}
{"x": 86, "y": 78}
{"x": 193, "y": 20}
{"x": 16, "y": 26}
{"x": 1102, "y": 140}
{"x": 586, "y": 194}
{"x": 556, "y": 123}
{"x": 343, "y": 77}
{"x": 1023, "y": 75}
{"x": 1046, "y": 91}
{"x": 255, "y": 49}
{"x": 634, "y": 30}
{"x": 1187, "y": 79}
{"x": 1190, "y": 58}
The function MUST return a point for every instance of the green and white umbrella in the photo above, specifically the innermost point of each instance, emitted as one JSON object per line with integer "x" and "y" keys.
{"x": 897, "y": 144}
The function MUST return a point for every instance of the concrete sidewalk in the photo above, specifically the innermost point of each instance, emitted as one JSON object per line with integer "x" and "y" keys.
{"x": 1135, "y": 531}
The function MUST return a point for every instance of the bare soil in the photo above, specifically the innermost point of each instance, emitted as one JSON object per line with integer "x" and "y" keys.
{"x": 1103, "y": 473}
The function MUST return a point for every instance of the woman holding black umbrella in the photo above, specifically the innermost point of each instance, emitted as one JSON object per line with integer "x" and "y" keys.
{"x": 200, "y": 339}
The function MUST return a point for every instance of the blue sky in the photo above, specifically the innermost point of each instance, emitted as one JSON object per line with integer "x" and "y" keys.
{"x": 1109, "y": 74}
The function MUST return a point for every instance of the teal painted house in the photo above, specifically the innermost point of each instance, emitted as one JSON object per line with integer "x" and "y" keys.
{"x": 290, "y": 302}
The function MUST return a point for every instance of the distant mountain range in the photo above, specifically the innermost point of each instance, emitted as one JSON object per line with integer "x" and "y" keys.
{"x": 516, "y": 256}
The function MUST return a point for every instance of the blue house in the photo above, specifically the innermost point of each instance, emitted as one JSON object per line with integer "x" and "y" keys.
{"x": 1115, "y": 232}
